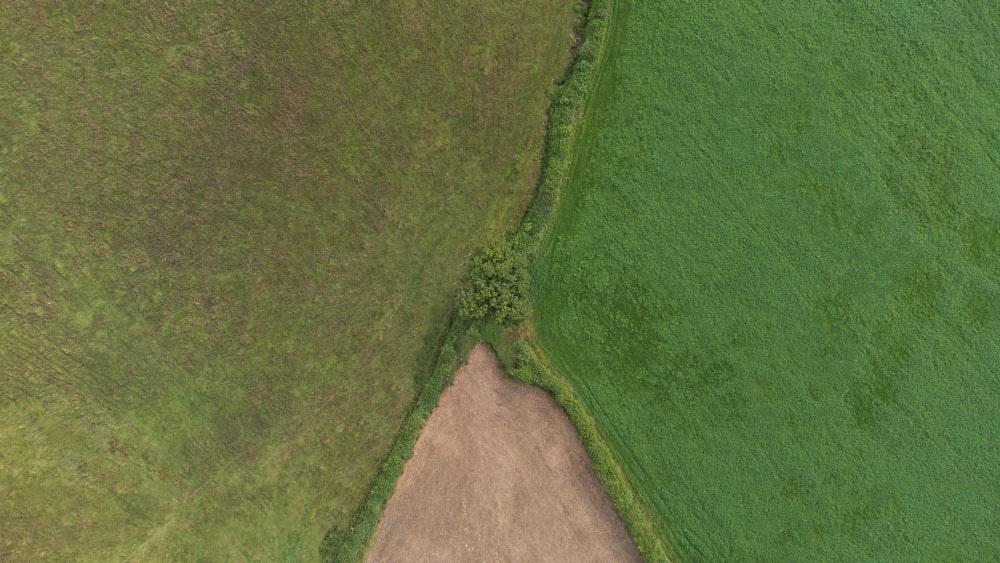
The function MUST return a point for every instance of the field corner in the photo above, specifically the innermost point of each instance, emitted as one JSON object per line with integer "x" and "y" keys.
{"x": 516, "y": 348}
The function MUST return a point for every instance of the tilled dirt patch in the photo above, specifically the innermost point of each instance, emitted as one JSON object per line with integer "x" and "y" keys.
{"x": 499, "y": 474}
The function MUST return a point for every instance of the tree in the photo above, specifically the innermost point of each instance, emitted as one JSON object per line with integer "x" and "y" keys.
{"x": 496, "y": 285}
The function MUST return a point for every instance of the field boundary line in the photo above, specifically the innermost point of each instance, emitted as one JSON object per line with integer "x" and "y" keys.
{"x": 564, "y": 143}
{"x": 533, "y": 368}
{"x": 566, "y": 121}
{"x": 351, "y": 544}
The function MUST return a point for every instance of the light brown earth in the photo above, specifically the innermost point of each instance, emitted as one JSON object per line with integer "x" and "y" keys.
{"x": 499, "y": 474}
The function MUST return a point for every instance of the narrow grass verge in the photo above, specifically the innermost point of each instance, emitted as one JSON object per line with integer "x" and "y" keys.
{"x": 532, "y": 370}
{"x": 348, "y": 545}
{"x": 565, "y": 117}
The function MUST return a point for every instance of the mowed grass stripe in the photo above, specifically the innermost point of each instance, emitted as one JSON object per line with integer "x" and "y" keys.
{"x": 774, "y": 277}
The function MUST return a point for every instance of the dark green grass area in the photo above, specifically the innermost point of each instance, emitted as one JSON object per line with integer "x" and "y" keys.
{"x": 775, "y": 276}
{"x": 229, "y": 237}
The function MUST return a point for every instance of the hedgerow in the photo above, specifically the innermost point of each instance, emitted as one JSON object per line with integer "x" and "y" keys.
{"x": 349, "y": 545}
{"x": 565, "y": 117}
{"x": 493, "y": 292}
{"x": 530, "y": 370}
{"x": 565, "y": 114}
{"x": 497, "y": 282}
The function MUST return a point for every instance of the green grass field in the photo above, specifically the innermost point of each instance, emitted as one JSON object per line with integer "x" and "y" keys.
{"x": 775, "y": 276}
{"x": 229, "y": 237}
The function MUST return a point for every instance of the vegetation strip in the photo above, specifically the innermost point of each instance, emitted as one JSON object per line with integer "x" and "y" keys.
{"x": 566, "y": 119}
{"x": 349, "y": 545}
{"x": 494, "y": 291}
{"x": 532, "y": 370}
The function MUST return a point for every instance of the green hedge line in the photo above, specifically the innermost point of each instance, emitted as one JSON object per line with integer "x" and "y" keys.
{"x": 565, "y": 115}
{"x": 529, "y": 370}
{"x": 350, "y": 545}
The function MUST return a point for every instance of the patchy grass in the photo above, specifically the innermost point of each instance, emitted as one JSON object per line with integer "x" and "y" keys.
{"x": 228, "y": 239}
{"x": 773, "y": 278}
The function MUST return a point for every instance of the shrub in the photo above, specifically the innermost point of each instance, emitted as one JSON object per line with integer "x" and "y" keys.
{"x": 496, "y": 286}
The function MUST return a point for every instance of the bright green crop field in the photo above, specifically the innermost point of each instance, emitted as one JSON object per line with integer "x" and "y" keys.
{"x": 230, "y": 233}
{"x": 775, "y": 276}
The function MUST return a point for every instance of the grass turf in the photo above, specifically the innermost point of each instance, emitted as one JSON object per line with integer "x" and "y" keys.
{"x": 228, "y": 239}
{"x": 775, "y": 276}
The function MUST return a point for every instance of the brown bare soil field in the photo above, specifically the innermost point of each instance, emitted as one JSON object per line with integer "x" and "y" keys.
{"x": 499, "y": 474}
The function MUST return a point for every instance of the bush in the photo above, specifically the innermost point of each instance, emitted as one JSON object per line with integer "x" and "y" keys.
{"x": 496, "y": 286}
